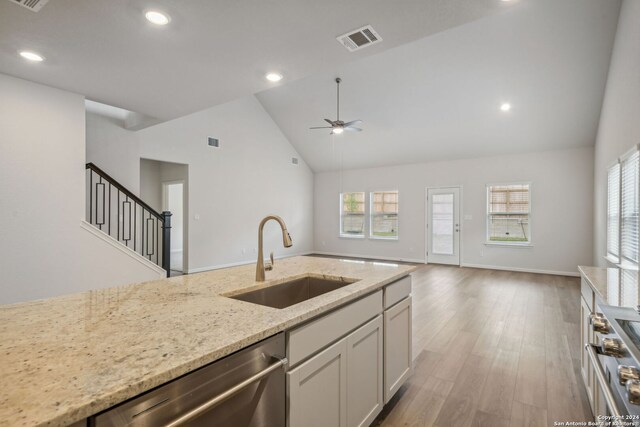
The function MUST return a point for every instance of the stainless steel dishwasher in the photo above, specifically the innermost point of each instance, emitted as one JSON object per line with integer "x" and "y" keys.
{"x": 246, "y": 388}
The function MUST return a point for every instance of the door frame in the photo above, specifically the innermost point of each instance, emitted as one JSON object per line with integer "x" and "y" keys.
{"x": 426, "y": 220}
{"x": 185, "y": 237}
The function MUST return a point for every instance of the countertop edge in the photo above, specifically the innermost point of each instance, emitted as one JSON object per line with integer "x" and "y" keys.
{"x": 87, "y": 410}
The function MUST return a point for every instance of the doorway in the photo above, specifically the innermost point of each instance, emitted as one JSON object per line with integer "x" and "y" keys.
{"x": 173, "y": 201}
{"x": 443, "y": 225}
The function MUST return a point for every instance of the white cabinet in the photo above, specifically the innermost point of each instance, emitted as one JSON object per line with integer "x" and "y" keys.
{"x": 585, "y": 337}
{"x": 318, "y": 389}
{"x": 364, "y": 374}
{"x": 342, "y": 385}
{"x": 397, "y": 347}
{"x": 345, "y": 365}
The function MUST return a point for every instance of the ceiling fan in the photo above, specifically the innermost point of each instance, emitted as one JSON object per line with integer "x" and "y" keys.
{"x": 337, "y": 125}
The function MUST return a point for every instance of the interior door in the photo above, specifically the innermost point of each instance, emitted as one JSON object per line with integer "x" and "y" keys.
{"x": 443, "y": 225}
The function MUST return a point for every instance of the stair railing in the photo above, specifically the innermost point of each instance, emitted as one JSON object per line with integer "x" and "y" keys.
{"x": 124, "y": 216}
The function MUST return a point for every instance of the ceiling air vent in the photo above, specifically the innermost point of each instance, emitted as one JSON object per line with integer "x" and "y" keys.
{"x": 33, "y": 5}
{"x": 362, "y": 37}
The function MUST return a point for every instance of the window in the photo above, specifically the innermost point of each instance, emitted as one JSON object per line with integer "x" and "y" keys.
{"x": 630, "y": 168}
{"x": 508, "y": 214}
{"x": 613, "y": 213}
{"x": 384, "y": 215}
{"x": 352, "y": 216}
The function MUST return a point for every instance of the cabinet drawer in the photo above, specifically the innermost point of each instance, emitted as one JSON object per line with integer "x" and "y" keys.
{"x": 397, "y": 291}
{"x": 587, "y": 293}
{"x": 317, "y": 334}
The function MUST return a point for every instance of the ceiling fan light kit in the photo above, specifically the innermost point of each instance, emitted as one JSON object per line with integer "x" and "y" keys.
{"x": 338, "y": 126}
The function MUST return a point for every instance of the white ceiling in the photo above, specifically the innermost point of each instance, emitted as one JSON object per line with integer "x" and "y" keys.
{"x": 438, "y": 98}
{"x": 212, "y": 51}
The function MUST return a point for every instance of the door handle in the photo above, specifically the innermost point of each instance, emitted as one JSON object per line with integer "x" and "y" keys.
{"x": 216, "y": 400}
{"x": 592, "y": 351}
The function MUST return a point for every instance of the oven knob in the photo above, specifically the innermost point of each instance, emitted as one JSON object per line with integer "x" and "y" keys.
{"x": 627, "y": 373}
{"x": 600, "y": 325}
{"x": 633, "y": 391}
{"x": 595, "y": 316}
{"x": 611, "y": 347}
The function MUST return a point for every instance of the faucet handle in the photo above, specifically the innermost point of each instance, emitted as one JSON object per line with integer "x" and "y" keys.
{"x": 269, "y": 267}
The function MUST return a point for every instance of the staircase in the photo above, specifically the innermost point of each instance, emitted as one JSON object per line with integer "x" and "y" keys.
{"x": 122, "y": 215}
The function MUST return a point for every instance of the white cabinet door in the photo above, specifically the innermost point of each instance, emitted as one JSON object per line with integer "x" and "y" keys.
{"x": 585, "y": 335}
{"x": 397, "y": 347}
{"x": 318, "y": 389}
{"x": 364, "y": 374}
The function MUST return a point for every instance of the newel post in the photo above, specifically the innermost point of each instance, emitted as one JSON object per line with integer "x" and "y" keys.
{"x": 166, "y": 241}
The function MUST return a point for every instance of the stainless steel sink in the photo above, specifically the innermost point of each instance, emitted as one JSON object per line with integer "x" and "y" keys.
{"x": 292, "y": 292}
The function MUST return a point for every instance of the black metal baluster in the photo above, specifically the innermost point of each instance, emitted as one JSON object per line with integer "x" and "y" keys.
{"x": 135, "y": 221}
{"x": 90, "y": 197}
{"x": 166, "y": 242}
{"x": 109, "y": 226}
{"x": 118, "y": 236}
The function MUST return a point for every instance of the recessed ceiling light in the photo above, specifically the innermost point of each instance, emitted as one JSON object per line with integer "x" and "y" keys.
{"x": 274, "y": 77}
{"x": 505, "y": 106}
{"x": 31, "y": 56}
{"x": 157, "y": 18}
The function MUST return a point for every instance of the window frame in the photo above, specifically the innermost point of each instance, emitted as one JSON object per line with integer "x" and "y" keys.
{"x": 371, "y": 216}
{"x": 488, "y": 215}
{"x": 623, "y": 261}
{"x": 343, "y": 235}
{"x": 611, "y": 257}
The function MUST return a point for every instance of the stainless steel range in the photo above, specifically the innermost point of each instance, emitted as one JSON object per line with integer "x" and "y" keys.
{"x": 616, "y": 362}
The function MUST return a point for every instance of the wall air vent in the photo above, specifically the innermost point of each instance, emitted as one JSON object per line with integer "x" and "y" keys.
{"x": 214, "y": 142}
{"x": 294, "y": 160}
{"x": 362, "y": 37}
{"x": 33, "y": 5}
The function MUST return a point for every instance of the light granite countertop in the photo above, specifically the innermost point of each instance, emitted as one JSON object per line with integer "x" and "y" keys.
{"x": 613, "y": 286}
{"x": 66, "y": 358}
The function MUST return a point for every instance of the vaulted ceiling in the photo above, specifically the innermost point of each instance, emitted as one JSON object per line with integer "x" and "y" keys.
{"x": 431, "y": 90}
{"x": 439, "y": 97}
{"x": 212, "y": 51}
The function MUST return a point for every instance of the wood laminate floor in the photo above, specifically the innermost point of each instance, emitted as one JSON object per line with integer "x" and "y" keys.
{"x": 492, "y": 348}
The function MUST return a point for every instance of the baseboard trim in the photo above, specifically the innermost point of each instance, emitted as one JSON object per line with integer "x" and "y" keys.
{"x": 122, "y": 248}
{"x": 523, "y": 270}
{"x": 382, "y": 258}
{"x": 239, "y": 263}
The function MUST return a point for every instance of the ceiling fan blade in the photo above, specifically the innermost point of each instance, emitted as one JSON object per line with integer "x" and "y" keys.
{"x": 322, "y": 127}
{"x": 351, "y": 123}
{"x": 352, "y": 129}
{"x": 329, "y": 121}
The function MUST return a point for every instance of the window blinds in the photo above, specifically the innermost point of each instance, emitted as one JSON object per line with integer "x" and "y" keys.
{"x": 613, "y": 211}
{"x": 629, "y": 207}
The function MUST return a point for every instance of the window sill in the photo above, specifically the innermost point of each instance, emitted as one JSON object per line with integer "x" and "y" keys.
{"x": 383, "y": 238}
{"x": 628, "y": 265}
{"x": 509, "y": 245}
{"x": 347, "y": 236}
{"x": 612, "y": 260}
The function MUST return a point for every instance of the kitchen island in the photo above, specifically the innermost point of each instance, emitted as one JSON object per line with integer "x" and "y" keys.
{"x": 64, "y": 359}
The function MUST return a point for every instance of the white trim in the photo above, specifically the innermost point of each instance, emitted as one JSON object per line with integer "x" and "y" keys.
{"x": 529, "y": 214}
{"x": 371, "y": 215}
{"x": 523, "y": 270}
{"x": 383, "y": 258}
{"x": 612, "y": 260}
{"x": 238, "y": 263}
{"x": 122, "y": 248}
{"x": 509, "y": 245}
{"x": 460, "y": 219}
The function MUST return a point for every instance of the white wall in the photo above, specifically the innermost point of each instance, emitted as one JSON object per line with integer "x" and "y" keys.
{"x": 619, "y": 127}
{"x": 114, "y": 149}
{"x": 44, "y": 250}
{"x": 561, "y": 220}
{"x": 231, "y": 187}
